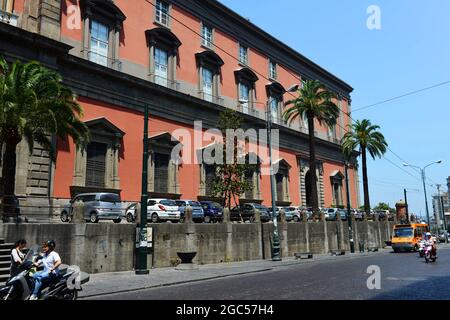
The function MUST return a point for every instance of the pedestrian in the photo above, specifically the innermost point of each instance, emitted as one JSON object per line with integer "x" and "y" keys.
{"x": 51, "y": 262}
{"x": 17, "y": 257}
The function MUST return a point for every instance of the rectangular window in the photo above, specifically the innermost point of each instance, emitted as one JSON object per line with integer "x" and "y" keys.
{"x": 274, "y": 111}
{"x": 210, "y": 177}
{"x": 96, "y": 165}
{"x": 99, "y": 43}
{"x": 273, "y": 70}
{"x": 207, "y": 36}
{"x": 207, "y": 86}
{"x": 6, "y": 5}
{"x": 243, "y": 54}
{"x": 279, "y": 178}
{"x": 161, "y": 172}
{"x": 162, "y": 13}
{"x": 161, "y": 67}
{"x": 244, "y": 97}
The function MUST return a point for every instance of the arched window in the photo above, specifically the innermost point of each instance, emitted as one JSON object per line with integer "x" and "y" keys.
{"x": 163, "y": 46}
{"x": 246, "y": 81}
{"x": 282, "y": 182}
{"x": 209, "y": 66}
{"x": 102, "y": 23}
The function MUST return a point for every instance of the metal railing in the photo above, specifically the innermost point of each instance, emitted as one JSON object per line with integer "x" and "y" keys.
{"x": 165, "y": 82}
{"x": 211, "y": 98}
{"x": 9, "y": 18}
{"x": 104, "y": 60}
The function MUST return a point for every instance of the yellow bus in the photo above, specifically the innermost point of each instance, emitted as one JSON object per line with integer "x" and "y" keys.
{"x": 406, "y": 237}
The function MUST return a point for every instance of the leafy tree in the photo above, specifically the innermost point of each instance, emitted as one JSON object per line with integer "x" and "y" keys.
{"x": 314, "y": 102}
{"x": 34, "y": 105}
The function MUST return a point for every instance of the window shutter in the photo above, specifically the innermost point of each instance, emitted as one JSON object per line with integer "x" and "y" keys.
{"x": 161, "y": 172}
{"x": 96, "y": 165}
{"x": 210, "y": 176}
{"x": 279, "y": 180}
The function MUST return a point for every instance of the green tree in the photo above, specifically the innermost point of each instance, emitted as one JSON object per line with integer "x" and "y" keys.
{"x": 34, "y": 105}
{"x": 230, "y": 182}
{"x": 314, "y": 102}
{"x": 384, "y": 206}
{"x": 365, "y": 137}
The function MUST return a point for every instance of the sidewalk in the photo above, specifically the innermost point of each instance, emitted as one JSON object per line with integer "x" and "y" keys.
{"x": 119, "y": 282}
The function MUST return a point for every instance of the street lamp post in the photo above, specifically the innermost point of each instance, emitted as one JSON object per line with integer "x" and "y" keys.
{"x": 441, "y": 205}
{"x": 422, "y": 172}
{"x": 349, "y": 217}
{"x": 141, "y": 251}
{"x": 407, "y": 208}
{"x": 276, "y": 256}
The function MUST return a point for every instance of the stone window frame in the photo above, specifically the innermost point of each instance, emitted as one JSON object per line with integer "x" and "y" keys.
{"x": 276, "y": 91}
{"x": 213, "y": 36}
{"x": 256, "y": 178}
{"x": 337, "y": 178}
{"x": 202, "y": 168}
{"x": 211, "y": 60}
{"x": 286, "y": 167}
{"x": 244, "y": 46}
{"x": 247, "y": 77}
{"x": 169, "y": 14}
{"x": 7, "y": 6}
{"x": 107, "y": 13}
{"x": 163, "y": 39}
{"x": 273, "y": 74}
{"x": 112, "y": 136}
{"x": 164, "y": 143}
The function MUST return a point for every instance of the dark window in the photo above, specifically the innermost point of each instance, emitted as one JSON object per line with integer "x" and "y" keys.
{"x": 249, "y": 179}
{"x": 279, "y": 180}
{"x": 151, "y": 202}
{"x": 210, "y": 176}
{"x": 181, "y": 203}
{"x": 161, "y": 172}
{"x": 96, "y": 164}
{"x": 170, "y": 203}
{"x": 110, "y": 198}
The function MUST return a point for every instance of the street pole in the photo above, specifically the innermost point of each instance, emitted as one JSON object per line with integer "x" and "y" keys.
{"x": 276, "y": 237}
{"x": 349, "y": 217}
{"x": 425, "y": 194}
{"x": 141, "y": 251}
{"x": 441, "y": 203}
{"x": 407, "y": 208}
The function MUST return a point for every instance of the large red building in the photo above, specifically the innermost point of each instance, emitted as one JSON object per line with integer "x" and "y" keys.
{"x": 187, "y": 60}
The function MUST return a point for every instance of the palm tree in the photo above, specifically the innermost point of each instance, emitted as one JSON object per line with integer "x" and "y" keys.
{"x": 365, "y": 137}
{"x": 34, "y": 105}
{"x": 314, "y": 102}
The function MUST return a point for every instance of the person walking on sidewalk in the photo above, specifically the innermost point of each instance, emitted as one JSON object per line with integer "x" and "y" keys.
{"x": 17, "y": 257}
{"x": 51, "y": 262}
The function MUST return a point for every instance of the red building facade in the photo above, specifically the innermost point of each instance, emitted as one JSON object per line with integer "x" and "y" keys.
{"x": 187, "y": 60}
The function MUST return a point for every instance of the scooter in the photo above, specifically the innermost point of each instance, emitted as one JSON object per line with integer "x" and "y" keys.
{"x": 21, "y": 286}
{"x": 421, "y": 249}
{"x": 430, "y": 253}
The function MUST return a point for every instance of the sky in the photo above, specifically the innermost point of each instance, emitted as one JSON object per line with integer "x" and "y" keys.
{"x": 411, "y": 51}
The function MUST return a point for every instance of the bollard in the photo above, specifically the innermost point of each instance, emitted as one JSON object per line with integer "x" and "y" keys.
{"x": 338, "y": 216}
{"x": 78, "y": 212}
{"x": 304, "y": 216}
{"x": 322, "y": 216}
{"x": 256, "y": 216}
{"x": 361, "y": 246}
{"x": 137, "y": 214}
{"x": 282, "y": 216}
{"x": 188, "y": 215}
{"x": 226, "y": 215}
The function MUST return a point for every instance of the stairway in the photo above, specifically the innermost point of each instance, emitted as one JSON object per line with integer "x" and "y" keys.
{"x": 5, "y": 260}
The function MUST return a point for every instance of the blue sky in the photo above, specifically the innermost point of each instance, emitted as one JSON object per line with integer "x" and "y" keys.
{"x": 410, "y": 52}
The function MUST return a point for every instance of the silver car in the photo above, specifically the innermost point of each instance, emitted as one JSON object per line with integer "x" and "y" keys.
{"x": 97, "y": 206}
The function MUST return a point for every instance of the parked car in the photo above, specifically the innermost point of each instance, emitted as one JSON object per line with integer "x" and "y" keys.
{"x": 130, "y": 213}
{"x": 291, "y": 213}
{"x": 307, "y": 211}
{"x": 97, "y": 206}
{"x": 246, "y": 211}
{"x": 213, "y": 211}
{"x": 163, "y": 210}
{"x": 442, "y": 236}
{"x": 359, "y": 215}
{"x": 330, "y": 213}
{"x": 197, "y": 210}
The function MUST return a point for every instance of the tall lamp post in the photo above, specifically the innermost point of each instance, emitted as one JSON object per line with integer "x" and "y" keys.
{"x": 407, "y": 208}
{"x": 276, "y": 256}
{"x": 422, "y": 172}
{"x": 141, "y": 250}
{"x": 441, "y": 205}
{"x": 349, "y": 217}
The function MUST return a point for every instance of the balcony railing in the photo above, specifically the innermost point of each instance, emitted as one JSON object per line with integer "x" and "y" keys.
{"x": 171, "y": 84}
{"x": 211, "y": 98}
{"x": 249, "y": 109}
{"x": 9, "y": 18}
{"x": 104, "y": 61}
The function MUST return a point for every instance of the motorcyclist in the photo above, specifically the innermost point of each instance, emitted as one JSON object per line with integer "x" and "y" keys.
{"x": 51, "y": 262}
{"x": 431, "y": 241}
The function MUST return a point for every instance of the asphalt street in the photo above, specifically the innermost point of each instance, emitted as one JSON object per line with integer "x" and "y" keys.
{"x": 402, "y": 276}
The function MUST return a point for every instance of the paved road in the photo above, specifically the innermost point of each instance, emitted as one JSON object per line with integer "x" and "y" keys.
{"x": 404, "y": 276}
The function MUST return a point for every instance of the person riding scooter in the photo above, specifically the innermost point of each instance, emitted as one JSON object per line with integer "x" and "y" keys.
{"x": 51, "y": 262}
{"x": 431, "y": 241}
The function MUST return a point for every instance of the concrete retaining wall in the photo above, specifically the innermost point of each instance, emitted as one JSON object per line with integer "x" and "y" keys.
{"x": 109, "y": 247}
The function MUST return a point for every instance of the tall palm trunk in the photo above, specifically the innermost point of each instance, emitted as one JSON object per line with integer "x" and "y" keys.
{"x": 365, "y": 181}
{"x": 312, "y": 165}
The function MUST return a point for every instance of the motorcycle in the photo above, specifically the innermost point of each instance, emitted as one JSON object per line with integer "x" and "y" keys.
{"x": 421, "y": 249}
{"x": 430, "y": 253}
{"x": 21, "y": 286}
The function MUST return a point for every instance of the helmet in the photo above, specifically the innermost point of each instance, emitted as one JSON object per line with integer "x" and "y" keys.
{"x": 428, "y": 234}
{"x": 50, "y": 243}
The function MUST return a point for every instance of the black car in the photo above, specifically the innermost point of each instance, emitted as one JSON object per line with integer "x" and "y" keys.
{"x": 247, "y": 211}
